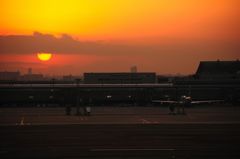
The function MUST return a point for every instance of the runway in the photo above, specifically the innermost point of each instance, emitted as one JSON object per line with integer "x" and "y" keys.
{"x": 121, "y": 141}
{"x": 119, "y": 115}
{"x": 115, "y": 133}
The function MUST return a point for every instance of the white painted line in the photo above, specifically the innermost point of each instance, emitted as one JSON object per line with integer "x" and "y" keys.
{"x": 127, "y": 123}
{"x": 145, "y": 121}
{"x": 132, "y": 149}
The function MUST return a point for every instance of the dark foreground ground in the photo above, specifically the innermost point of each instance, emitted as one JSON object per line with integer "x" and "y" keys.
{"x": 115, "y": 133}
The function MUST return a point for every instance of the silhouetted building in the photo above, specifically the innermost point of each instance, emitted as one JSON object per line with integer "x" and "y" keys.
{"x": 163, "y": 79}
{"x": 68, "y": 78}
{"x": 71, "y": 78}
{"x": 218, "y": 70}
{"x": 5, "y": 76}
{"x": 30, "y": 71}
{"x": 133, "y": 69}
{"x": 32, "y": 77}
{"x": 119, "y": 78}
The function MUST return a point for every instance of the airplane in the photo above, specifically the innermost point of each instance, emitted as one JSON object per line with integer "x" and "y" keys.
{"x": 184, "y": 101}
{"x": 187, "y": 100}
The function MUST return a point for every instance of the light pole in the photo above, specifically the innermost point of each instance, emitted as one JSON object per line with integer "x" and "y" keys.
{"x": 78, "y": 99}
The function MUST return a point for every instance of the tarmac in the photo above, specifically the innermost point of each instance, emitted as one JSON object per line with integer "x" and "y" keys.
{"x": 120, "y": 132}
{"x": 118, "y": 115}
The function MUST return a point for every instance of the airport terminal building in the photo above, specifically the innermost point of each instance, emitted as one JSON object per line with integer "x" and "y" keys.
{"x": 218, "y": 70}
{"x": 215, "y": 80}
{"x": 120, "y": 78}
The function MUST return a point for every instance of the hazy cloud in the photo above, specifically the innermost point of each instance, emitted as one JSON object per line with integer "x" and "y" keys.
{"x": 160, "y": 55}
{"x": 38, "y": 42}
{"x": 41, "y": 43}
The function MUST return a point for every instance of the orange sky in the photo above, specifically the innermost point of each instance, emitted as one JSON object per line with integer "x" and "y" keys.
{"x": 166, "y": 36}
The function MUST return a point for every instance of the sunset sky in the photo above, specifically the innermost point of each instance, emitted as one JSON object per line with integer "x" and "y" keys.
{"x": 163, "y": 36}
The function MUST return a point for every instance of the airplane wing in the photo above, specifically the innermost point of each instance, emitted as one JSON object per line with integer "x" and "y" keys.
{"x": 165, "y": 101}
{"x": 207, "y": 101}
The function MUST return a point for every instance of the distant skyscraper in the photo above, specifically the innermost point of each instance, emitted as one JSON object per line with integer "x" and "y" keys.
{"x": 133, "y": 69}
{"x": 30, "y": 71}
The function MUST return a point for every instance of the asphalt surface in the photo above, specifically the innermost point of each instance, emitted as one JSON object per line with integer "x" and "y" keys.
{"x": 121, "y": 141}
{"x": 118, "y": 115}
{"x": 120, "y": 133}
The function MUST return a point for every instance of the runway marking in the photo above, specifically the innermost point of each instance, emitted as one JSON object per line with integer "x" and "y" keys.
{"x": 83, "y": 118}
{"x": 99, "y": 123}
{"x": 145, "y": 121}
{"x": 132, "y": 149}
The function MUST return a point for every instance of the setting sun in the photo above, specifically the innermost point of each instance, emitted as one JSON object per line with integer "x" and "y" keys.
{"x": 44, "y": 56}
{"x": 76, "y": 36}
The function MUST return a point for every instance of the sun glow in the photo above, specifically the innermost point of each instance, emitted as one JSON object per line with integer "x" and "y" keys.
{"x": 44, "y": 56}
